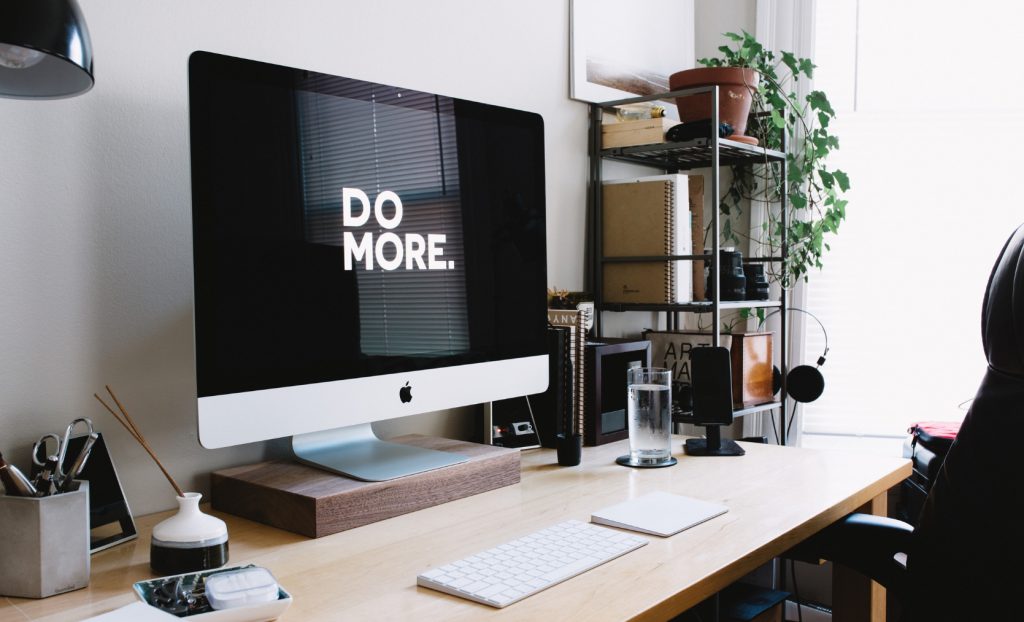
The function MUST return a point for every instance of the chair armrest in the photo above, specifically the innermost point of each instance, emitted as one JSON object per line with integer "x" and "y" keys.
{"x": 865, "y": 543}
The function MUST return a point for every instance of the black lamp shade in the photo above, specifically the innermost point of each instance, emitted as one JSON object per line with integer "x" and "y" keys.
{"x": 45, "y": 51}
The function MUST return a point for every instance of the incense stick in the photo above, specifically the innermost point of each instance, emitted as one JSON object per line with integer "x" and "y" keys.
{"x": 129, "y": 425}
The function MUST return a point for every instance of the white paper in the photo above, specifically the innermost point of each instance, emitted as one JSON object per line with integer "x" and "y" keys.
{"x": 135, "y": 612}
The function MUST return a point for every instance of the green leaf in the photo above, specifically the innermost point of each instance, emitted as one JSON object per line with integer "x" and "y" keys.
{"x": 794, "y": 174}
{"x": 819, "y": 101}
{"x": 842, "y": 179}
{"x": 777, "y": 120}
{"x": 798, "y": 201}
{"x": 807, "y": 67}
{"x": 826, "y": 178}
{"x": 732, "y": 36}
{"x": 789, "y": 60}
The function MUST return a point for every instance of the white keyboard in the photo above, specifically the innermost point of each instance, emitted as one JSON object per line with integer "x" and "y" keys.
{"x": 527, "y": 565}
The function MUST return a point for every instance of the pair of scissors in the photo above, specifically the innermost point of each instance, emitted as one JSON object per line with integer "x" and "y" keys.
{"x": 42, "y": 457}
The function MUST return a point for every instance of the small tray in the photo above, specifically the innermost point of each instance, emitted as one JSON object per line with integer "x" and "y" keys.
{"x": 146, "y": 591}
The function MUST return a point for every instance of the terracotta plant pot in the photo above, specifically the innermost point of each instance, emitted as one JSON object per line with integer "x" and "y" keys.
{"x": 736, "y": 86}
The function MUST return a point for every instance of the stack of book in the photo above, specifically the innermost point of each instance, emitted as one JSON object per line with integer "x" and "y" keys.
{"x": 651, "y": 217}
{"x": 576, "y": 321}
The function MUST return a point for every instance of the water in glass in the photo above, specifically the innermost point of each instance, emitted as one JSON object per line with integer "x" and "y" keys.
{"x": 650, "y": 418}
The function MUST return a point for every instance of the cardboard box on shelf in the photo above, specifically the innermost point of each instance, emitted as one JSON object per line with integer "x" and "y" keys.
{"x": 638, "y": 132}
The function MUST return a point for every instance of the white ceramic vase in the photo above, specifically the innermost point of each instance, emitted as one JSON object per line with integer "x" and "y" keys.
{"x": 189, "y": 541}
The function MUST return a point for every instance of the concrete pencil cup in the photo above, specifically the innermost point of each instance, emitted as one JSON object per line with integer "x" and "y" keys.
{"x": 45, "y": 548}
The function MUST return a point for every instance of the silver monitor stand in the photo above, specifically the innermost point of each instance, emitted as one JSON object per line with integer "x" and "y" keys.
{"x": 355, "y": 451}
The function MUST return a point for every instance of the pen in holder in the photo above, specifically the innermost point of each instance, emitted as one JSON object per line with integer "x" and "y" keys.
{"x": 188, "y": 541}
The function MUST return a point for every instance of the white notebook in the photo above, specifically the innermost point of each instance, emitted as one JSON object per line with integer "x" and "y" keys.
{"x": 658, "y": 513}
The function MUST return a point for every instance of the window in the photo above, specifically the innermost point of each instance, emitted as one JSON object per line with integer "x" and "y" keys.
{"x": 929, "y": 114}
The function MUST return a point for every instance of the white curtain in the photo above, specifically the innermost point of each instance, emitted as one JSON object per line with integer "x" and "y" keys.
{"x": 784, "y": 25}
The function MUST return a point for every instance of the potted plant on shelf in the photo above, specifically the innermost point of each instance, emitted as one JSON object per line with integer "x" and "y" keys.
{"x": 813, "y": 189}
{"x": 738, "y": 84}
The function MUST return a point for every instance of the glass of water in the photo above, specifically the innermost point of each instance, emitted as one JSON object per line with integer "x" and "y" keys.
{"x": 649, "y": 414}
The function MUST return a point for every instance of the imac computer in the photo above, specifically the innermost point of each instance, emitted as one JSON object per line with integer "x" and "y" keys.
{"x": 361, "y": 252}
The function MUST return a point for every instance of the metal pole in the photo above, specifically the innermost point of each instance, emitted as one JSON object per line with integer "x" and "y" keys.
{"x": 596, "y": 234}
{"x": 784, "y": 308}
{"x": 716, "y": 269}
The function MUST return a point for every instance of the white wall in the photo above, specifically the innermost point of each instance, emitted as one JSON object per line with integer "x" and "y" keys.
{"x": 95, "y": 253}
{"x": 95, "y": 274}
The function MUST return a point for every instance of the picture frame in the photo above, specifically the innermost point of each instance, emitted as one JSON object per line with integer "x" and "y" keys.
{"x": 110, "y": 519}
{"x": 632, "y": 54}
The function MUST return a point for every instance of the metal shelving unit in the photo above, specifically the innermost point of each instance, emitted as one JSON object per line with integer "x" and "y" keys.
{"x": 712, "y": 152}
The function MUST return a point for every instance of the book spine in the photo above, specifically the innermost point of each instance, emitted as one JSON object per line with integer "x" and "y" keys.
{"x": 696, "y": 200}
{"x": 670, "y": 242}
{"x": 579, "y": 349}
{"x": 576, "y": 321}
{"x": 567, "y": 370}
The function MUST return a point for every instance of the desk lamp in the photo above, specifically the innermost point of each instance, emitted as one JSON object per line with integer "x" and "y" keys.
{"x": 45, "y": 52}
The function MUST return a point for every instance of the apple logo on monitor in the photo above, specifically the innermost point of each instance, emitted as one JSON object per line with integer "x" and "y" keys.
{"x": 405, "y": 393}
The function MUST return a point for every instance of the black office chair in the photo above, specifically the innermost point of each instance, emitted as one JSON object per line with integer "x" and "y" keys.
{"x": 963, "y": 561}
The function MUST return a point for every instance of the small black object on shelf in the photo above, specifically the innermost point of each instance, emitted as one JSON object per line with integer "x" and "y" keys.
{"x": 733, "y": 284}
{"x": 682, "y": 396}
{"x": 696, "y": 129}
{"x": 757, "y": 282}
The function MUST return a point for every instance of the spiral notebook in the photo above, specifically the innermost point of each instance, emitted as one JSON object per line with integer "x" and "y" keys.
{"x": 642, "y": 217}
{"x": 658, "y": 513}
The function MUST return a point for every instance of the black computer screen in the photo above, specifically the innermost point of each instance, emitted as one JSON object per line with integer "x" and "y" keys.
{"x": 343, "y": 228}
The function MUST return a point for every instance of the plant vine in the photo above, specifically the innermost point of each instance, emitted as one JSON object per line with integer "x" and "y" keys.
{"x": 815, "y": 191}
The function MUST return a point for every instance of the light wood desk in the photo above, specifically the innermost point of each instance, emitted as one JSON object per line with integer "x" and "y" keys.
{"x": 777, "y": 496}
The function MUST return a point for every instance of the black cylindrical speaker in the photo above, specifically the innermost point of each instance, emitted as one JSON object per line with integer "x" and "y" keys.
{"x": 757, "y": 283}
{"x": 733, "y": 283}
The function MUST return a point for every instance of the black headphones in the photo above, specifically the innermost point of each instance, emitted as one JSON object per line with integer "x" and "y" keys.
{"x": 804, "y": 383}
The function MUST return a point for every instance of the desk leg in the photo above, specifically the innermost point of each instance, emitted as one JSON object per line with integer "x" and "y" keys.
{"x": 856, "y": 598}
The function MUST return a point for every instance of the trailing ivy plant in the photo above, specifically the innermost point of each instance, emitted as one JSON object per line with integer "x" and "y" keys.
{"x": 814, "y": 190}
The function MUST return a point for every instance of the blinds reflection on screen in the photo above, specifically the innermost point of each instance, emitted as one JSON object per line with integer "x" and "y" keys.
{"x": 375, "y": 138}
